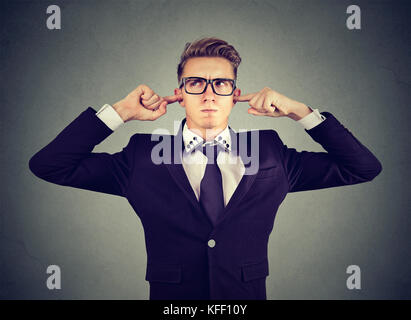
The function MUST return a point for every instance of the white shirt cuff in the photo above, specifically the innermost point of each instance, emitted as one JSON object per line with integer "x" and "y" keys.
{"x": 311, "y": 120}
{"x": 110, "y": 117}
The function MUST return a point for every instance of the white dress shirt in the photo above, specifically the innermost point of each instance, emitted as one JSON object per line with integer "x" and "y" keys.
{"x": 194, "y": 162}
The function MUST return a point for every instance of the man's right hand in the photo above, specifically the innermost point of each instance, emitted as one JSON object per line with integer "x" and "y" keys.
{"x": 143, "y": 104}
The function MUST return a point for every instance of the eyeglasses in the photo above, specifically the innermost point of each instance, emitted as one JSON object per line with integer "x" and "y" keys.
{"x": 197, "y": 85}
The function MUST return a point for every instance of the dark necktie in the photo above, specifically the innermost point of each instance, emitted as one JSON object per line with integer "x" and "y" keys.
{"x": 211, "y": 187}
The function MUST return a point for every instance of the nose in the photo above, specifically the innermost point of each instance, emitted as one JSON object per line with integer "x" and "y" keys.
{"x": 208, "y": 93}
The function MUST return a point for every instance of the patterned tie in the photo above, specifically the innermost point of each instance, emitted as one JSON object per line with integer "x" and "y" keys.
{"x": 211, "y": 187}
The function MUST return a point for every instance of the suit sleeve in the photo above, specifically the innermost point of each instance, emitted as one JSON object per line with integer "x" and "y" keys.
{"x": 68, "y": 160}
{"x": 346, "y": 161}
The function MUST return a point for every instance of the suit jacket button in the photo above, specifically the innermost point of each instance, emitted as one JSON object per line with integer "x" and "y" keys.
{"x": 211, "y": 243}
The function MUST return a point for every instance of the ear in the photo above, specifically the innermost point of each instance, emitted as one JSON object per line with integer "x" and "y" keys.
{"x": 179, "y": 91}
{"x": 237, "y": 93}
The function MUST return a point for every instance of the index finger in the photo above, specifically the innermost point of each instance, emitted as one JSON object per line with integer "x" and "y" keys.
{"x": 173, "y": 98}
{"x": 245, "y": 97}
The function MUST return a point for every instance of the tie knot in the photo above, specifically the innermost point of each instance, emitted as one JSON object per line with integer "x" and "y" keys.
{"x": 211, "y": 152}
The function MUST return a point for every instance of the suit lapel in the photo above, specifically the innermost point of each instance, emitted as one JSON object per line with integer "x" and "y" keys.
{"x": 245, "y": 182}
{"x": 177, "y": 171}
{"x": 243, "y": 187}
{"x": 178, "y": 174}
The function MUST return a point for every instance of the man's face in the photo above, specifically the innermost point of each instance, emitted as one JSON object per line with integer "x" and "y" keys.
{"x": 207, "y": 110}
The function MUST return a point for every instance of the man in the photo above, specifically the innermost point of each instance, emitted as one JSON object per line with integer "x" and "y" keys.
{"x": 208, "y": 210}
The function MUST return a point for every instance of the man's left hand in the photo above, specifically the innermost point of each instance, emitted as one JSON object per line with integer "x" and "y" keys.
{"x": 268, "y": 102}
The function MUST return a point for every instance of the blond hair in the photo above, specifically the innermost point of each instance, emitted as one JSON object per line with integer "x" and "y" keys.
{"x": 209, "y": 47}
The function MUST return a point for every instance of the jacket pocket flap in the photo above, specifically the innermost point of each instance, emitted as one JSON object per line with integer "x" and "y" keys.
{"x": 163, "y": 273}
{"x": 255, "y": 270}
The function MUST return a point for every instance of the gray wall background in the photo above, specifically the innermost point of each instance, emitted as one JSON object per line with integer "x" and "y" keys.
{"x": 299, "y": 48}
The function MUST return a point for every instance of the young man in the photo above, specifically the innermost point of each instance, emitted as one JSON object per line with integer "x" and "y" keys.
{"x": 207, "y": 220}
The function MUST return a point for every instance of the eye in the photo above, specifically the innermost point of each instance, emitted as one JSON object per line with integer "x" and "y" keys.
{"x": 221, "y": 83}
{"x": 194, "y": 82}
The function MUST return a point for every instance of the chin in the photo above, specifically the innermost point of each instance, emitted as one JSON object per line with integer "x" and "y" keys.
{"x": 210, "y": 124}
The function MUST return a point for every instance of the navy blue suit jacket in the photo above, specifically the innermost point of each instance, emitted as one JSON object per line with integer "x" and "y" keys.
{"x": 180, "y": 264}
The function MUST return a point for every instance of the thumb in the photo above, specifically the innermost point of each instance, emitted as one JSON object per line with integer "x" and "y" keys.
{"x": 162, "y": 109}
{"x": 255, "y": 112}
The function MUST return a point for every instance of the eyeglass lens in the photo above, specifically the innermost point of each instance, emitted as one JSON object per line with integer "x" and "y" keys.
{"x": 197, "y": 85}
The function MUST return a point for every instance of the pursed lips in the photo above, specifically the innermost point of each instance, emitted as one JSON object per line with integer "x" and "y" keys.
{"x": 209, "y": 110}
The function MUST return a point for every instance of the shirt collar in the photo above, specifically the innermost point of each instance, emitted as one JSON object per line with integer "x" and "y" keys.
{"x": 192, "y": 140}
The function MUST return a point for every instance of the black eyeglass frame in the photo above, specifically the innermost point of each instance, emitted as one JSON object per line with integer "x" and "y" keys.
{"x": 209, "y": 81}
